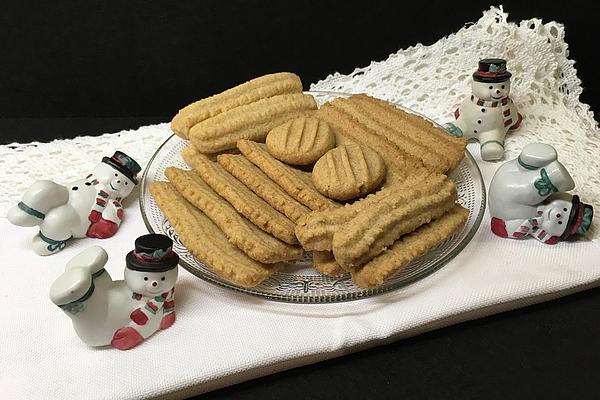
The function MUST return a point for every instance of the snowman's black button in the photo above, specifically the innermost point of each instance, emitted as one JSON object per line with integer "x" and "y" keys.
{"x": 483, "y": 110}
{"x": 559, "y": 222}
{"x": 474, "y": 130}
{"x": 478, "y": 121}
{"x": 74, "y": 188}
{"x": 87, "y": 184}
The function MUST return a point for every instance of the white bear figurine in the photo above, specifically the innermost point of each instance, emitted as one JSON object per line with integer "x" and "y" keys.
{"x": 120, "y": 313}
{"x": 527, "y": 198}
{"x": 489, "y": 112}
{"x": 87, "y": 207}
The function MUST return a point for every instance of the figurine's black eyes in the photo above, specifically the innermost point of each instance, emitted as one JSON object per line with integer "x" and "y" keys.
{"x": 491, "y": 87}
{"x": 502, "y": 86}
{"x": 87, "y": 184}
{"x": 162, "y": 279}
{"x": 145, "y": 278}
{"x": 116, "y": 174}
{"x": 564, "y": 209}
{"x": 126, "y": 182}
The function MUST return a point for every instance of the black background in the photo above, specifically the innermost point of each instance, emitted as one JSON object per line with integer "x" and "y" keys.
{"x": 90, "y": 67}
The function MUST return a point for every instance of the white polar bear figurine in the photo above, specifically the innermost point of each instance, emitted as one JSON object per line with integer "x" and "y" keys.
{"x": 120, "y": 313}
{"x": 527, "y": 198}
{"x": 87, "y": 207}
{"x": 489, "y": 113}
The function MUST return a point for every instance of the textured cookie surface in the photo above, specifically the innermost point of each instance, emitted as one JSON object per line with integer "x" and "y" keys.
{"x": 295, "y": 182}
{"x": 409, "y": 247}
{"x": 348, "y": 171}
{"x": 301, "y": 141}
{"x": 206, "y": 241}
{"x": 253, "y": 241}
{"x": 246, "y": 93}
{"x": 252, "y": 121}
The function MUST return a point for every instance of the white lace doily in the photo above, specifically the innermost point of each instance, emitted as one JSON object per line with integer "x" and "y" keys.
{"x": 429, "y": 79}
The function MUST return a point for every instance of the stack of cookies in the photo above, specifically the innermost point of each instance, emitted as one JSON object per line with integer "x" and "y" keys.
{"x": 359, "y": 182}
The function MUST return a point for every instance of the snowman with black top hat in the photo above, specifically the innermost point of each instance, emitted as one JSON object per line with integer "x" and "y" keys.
{"x": 120, "y": 313}
{"x": 488, "y": 113}
{"x": 87, "y": 207}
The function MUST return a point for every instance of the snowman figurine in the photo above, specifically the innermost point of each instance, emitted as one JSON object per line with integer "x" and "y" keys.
{"x": 488, "y": 113}
{"x": 88, "y": 207}
{"x": 120, "y": 313}
{"x": 527, "y": 198}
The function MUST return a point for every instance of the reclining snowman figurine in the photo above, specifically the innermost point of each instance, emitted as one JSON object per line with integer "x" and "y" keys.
{"x": 88, "y": 207}
{"x": 488, "y": 113}
{"x": 527, "y": 198}
{"x": 120, "y": 313}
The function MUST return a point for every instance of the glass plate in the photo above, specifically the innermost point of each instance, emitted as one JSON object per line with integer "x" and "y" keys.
{"x": 298, "y": 282}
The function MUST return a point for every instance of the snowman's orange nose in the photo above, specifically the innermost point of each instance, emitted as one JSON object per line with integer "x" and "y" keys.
{"x": 154, "y": 283}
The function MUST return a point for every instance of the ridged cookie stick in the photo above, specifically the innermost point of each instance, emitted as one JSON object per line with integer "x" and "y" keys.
{"x": 256, "y": 243}
{"x": 409, "y": 247}
{"x": 294, "y": 182}
{"x": 376, "y": 228}
{"x": 252, "y": 121}
{"x": 246, "y": 93}
{"x": 206, "y": 241}
{"x": 239, "y": 166}
{"x": 245, "y": 201}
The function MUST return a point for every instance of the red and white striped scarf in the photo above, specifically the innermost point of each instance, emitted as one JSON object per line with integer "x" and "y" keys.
{"x": 504, "y": 104}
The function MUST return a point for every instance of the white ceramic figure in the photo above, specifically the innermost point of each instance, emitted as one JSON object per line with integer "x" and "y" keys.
{"x": 120, "y": 313}
{"x": 526, "y": 198}
{"x": 489, "y": 112}
{"x": 88, "y": 207}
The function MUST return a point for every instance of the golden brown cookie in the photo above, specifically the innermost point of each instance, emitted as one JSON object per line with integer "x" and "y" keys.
{"x": 348, "y": 172}
{"x": 409, "y": 247}
{"x": 315, "y": 231}
{"x": 251, "y": 121}
{"x": 324, "y": 262}
{"x": 206, "y": 241}
{"x": 262, "y": 185}
{"x": 246, "y": 93}
{"x": 301, "y": 141}
{"x": 256, "y": 243}
{"x": 296, "y": 183}
{"x": 245, "y": 201}
{"x": 377, "y": 227}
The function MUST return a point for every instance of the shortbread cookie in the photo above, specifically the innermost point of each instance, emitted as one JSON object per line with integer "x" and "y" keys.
{"x": 296, "y": 183}
{"x": 315, "y": 231}
{"x": 206, "y": 241}
{"x": 324, "y": 262}
{"x": 377, "y": 227}
{"x": 263, "y": 186}
{"x": 255, "y": 209}
{"x": 301, "y": 141}
{"x": 252, "y": 121}
{"x": 409, "y": 247}
{"x": 246, "y": 93}
{"x": 256, "y": 243}
{"x": 348, "y": 172}
{"x": 349, "y": 129}
{"x": 413, "y": 129}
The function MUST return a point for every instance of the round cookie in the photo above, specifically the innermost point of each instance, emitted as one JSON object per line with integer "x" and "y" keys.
{"x": 300, "y": 141}
{"x": 348, "y": 171}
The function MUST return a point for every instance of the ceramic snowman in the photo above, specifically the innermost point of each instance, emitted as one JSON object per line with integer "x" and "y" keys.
{"x": 488, "y": 113}
{"x": 527, "y": 198}
{"x": 88, "y": 207}
{"x": 120, "y": 313}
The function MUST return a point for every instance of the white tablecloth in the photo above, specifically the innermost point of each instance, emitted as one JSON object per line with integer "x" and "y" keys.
{"x": 222, "y": 337}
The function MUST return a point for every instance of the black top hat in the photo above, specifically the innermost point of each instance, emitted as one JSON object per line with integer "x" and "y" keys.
{"x": 124, "y": 164}
{"x": 492, "y": 70}
{"x": 153, "y": 253}
{"x": 580, "y": 219}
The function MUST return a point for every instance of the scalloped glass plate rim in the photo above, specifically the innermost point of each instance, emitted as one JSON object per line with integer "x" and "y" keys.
{"x": 340, "y": 297}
